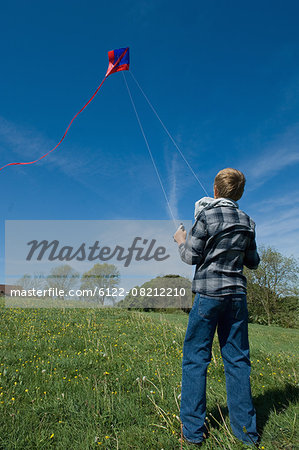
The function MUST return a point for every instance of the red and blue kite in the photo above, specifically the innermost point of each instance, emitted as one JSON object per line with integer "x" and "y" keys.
{"x": 122, "y": 56}
{"x": 118, "y": 60}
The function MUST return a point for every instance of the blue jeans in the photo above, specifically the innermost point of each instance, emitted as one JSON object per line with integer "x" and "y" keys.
{"x": 230, "y": 314}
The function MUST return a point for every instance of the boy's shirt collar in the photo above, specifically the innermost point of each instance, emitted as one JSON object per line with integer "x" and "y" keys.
{"x": 209, "y": 202}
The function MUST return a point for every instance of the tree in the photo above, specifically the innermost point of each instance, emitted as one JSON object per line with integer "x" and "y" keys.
{"x": 63, "y": 277}
{"x": 25, "y": 282}
{"x": 276, "y": 277}
{"x": 35, "y": 281}
{"x": 101, "y": 278}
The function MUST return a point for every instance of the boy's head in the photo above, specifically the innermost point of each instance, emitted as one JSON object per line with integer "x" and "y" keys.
{"x": 229, "y": 183}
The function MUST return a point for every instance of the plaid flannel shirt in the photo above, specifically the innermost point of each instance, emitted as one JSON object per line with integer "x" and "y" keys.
{"x": 220, "y": 243}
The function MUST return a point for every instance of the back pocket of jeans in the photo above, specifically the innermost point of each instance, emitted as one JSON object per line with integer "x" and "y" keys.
{"x": 209, "y": 307}
{"x": 239, "y": 309}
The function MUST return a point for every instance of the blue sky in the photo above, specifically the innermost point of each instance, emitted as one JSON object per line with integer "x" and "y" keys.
{"x": 223, "y": 77}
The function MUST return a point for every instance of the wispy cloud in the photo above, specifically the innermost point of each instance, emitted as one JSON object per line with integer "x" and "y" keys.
{"x": 180, "y": 176}
{"x": 277, "y": 217}
{"x": 22, "y": 141}
{"x": 173, "y": 192}
{"x": 277, "y": 204}
{"x": 23, "y": 144}
{"x": 279, "y": 154}
{"x": 83, "y": 164}
{"x": 281, "y": 231}
{"x": 277, "y": 220}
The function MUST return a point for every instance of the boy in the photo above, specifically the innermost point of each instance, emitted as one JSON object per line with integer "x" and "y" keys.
{"x": 220, "y": 243}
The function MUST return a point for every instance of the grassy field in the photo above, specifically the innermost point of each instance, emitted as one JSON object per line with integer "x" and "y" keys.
{"x": 84, "y": 379}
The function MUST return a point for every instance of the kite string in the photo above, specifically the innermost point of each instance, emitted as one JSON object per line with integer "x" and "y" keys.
{"x": 150, "y": 153}
{"x": 168, "y": 133}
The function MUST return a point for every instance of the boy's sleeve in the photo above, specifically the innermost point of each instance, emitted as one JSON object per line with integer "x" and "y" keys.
{"x": 251, "y": 258}
{"x": 192, "y": 251}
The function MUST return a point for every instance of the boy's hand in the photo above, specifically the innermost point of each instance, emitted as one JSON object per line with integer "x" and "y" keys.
{"x": 180, "y": 235}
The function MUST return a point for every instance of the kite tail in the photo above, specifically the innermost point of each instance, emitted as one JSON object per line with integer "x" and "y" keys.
{"x": 69, "y": 125}
{"x": 65, "y": 133}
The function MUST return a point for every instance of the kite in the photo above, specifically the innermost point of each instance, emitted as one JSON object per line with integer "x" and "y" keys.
{"x": 121, "y": 55}
{"x": 118, "y": 60}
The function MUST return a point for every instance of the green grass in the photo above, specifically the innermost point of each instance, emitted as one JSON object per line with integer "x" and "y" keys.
{"x": 85, "y": 379}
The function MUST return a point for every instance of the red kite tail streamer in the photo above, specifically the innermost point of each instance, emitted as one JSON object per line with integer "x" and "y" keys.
{"x": 110, "y": 70}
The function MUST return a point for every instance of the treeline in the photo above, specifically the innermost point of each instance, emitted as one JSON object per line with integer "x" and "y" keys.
{"x": 272, "y": 289}
{"x": 63, "y": 278}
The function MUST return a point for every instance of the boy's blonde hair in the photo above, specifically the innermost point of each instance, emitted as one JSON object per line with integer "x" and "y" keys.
{"x": 230, "y": 183}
